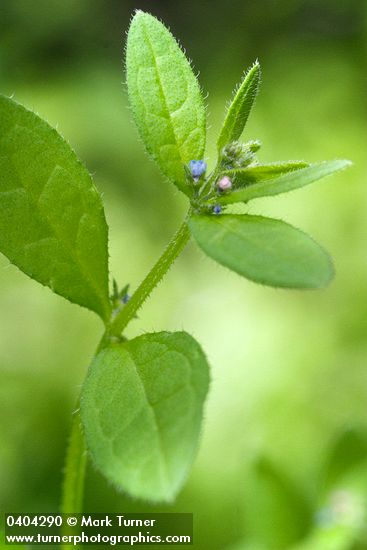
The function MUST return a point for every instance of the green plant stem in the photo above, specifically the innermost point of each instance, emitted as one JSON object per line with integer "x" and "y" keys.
{"x": 176, "y": 245}
{"x": 73, "y": 488}
{"x": 74, "y": 474}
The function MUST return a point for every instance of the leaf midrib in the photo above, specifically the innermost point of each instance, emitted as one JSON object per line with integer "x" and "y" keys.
{"x": 169, "y": 115}
{"x": 164, "y": 460}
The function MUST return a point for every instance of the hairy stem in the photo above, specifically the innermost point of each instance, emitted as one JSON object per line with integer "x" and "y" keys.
{"x": 73, "y": 486}
{"x": 155, "y": 275}
{"x": 74, "y": 474}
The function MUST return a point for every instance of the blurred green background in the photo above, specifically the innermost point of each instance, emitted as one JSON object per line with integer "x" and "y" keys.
{"x": 283, "y": 457}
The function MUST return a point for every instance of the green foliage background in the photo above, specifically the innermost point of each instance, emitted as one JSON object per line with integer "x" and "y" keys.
{"x": 289, "y": 368}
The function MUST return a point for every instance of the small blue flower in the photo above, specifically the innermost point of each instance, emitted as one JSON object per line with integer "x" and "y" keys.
{"x": 217, "y": 209}
{"x": 197, "y": 168}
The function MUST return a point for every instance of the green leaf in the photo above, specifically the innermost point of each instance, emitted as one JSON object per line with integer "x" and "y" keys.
{"x": 253, "y": 174}
{"x": 264, "y": 250}
{"x": 292, "y": 180}
{"x": 141, "y": 407}
{"x": 277, "y": 514}
{"x": 240, "y": 107}
{"x": 165, "y": 97}
{"x": 52, "y": 223}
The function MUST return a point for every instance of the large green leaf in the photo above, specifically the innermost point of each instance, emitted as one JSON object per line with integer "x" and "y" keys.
{"x": 141, "y": 407}
{"x": 287, "y": 182}
{"x": 264, "y": 250}
{"x": 165, "y": 97}
{"x": 52, "y": 223}
{"x": 240, "y": 107}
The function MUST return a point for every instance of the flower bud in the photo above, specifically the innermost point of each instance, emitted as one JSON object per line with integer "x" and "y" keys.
{"x": 197, "y": 168}
{"x": 224, "y": 184}
{"x": 253, "y": 146}
{"x": 125, "y": 298}
{"x": 239, "y": 155}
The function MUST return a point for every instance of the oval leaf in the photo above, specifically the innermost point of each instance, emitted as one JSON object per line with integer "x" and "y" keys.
{"x": 240, "y": 107}
{"x": 141, "y": 407}
{"x": 52, "y": 223}
{"x": 264, "y": 250}
{"x": 287, "y": 182}
{"x": 165, "y": 97}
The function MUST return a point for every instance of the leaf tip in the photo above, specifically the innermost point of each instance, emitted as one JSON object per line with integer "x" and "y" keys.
{"x": 326, "y": 274}
{"x": 254, "y": 71}
{"x": 139, "y": 16}
{"x": 255, "y": 66}
{"x": 330, "y": 275}
{"x": 138, "y": 13}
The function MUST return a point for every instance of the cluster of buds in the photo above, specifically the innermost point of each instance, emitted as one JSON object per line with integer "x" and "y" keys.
{"x": 239, "y": 155}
